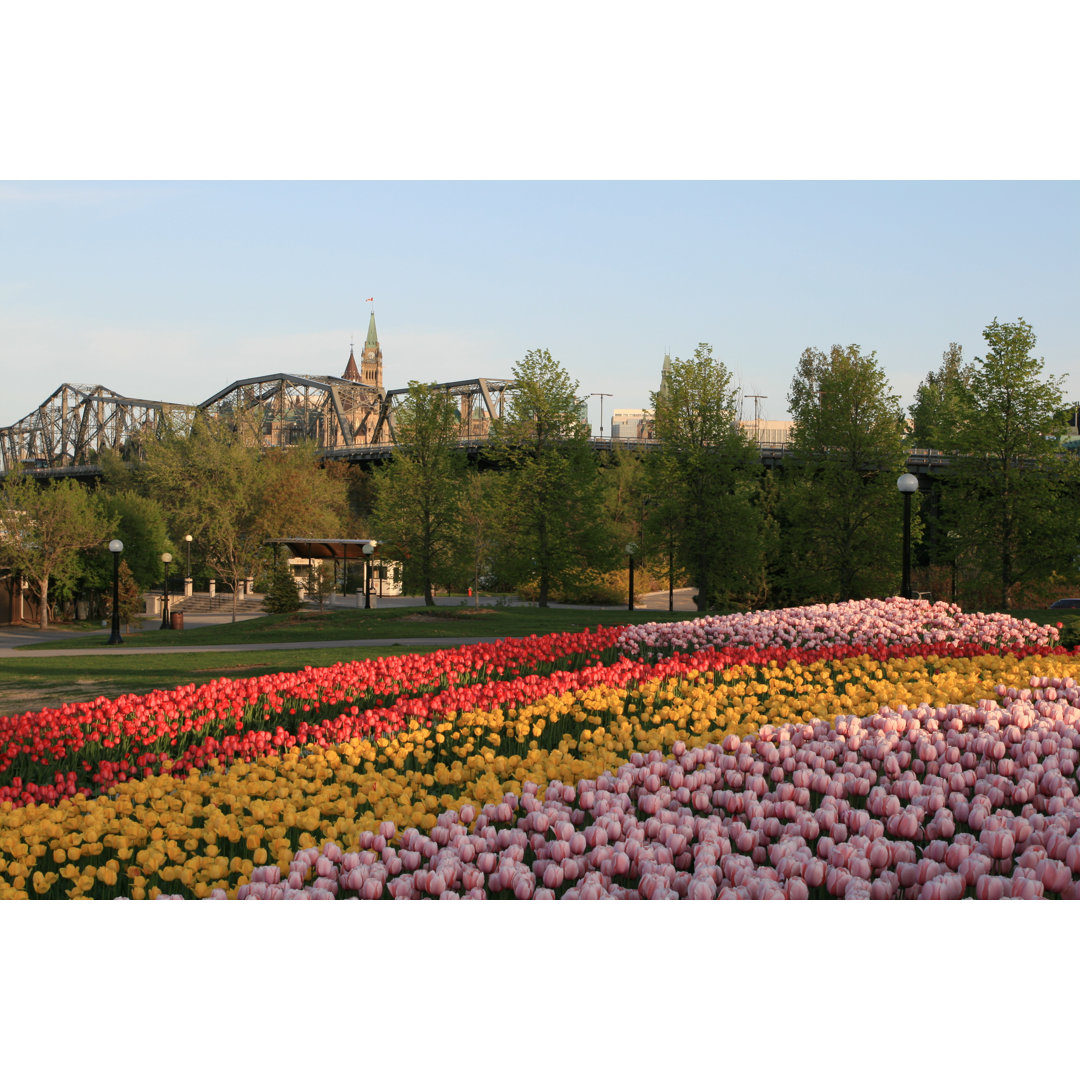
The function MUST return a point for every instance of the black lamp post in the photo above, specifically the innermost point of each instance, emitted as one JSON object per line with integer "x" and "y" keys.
{"x": 631, "y": 551}
{"x": 116, "y": 546}
{"x": 907, "y": 484}
{"x": 369, "y": 550}
{"x": 187, "y": 574}
{"x": 166, "y": 558}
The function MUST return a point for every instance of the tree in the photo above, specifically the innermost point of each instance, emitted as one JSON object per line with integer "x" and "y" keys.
{"x": 43, "y": 530}
{"x": 209, "y": 482}
{"x": 1011, "y": 493}
{"x": 938, "y": 412}
{"x": 282, "y": 594}
{"x": 299, "y": 495}
{"x": 318, "y": 583}
{"x": 552, "y": 527}
{"x": 418, "y": 493}
{"x": 139, "y": 522}
{"x": 476, "y": 531}
{"x": 840, "y": 513}
{"x": 704, "y": 477}
{"x": 131, "y": 602}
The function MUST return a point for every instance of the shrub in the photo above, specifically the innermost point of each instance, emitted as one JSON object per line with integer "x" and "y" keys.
{"x": 282, "y": 595}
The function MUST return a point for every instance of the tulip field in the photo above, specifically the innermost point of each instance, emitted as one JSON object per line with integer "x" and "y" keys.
{"x": 879, "y": 749}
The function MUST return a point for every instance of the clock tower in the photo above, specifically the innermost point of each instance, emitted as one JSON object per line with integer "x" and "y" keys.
{"x": 371, "y": 358}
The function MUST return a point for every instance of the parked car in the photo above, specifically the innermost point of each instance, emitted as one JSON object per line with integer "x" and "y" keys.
{"x": 1069, "y": 601}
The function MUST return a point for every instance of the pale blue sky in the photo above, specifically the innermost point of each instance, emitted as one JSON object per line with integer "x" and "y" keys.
{"x": 605, "y": 180}
{"x": 173, "y": 290}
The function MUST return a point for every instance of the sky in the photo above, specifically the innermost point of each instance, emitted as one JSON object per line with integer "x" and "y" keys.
{"x": 171, "y": 290}
{"x": 220, "y": 206}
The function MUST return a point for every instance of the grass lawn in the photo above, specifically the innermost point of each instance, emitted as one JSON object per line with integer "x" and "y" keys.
{"x": 395, "y": 623}
{"x": 29, "y": 683}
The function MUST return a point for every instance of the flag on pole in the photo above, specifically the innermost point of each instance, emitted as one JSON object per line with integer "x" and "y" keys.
{"x": 370, "y": 300}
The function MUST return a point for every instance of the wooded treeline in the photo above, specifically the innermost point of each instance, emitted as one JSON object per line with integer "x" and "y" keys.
{"x": 542, "y": 514}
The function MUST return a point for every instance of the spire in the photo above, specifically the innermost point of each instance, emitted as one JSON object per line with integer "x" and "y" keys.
{"x": 665, "y": 374}
{"x": 371, "y": 365}
{"x": 351, "y": 371}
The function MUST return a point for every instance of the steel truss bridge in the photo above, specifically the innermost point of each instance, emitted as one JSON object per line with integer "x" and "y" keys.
{"x": 76, "y": 422}
{"x": 345, "y": 419}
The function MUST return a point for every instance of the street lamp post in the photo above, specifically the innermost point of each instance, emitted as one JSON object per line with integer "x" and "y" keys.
{"x": 116, "y": 546}
{"x": 369, "y": 550}
{"x": 601, "y": 397}
{"x": 166, "y": 558}
{"x": 187, "y": 578}
{"x": 907, "y": 484}
{"x": 631, "y": 551}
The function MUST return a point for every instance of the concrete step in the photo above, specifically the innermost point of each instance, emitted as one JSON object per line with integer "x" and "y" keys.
{"x": 201, "y": 604}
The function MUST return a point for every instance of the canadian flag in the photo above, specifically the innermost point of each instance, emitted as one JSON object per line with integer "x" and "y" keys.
{"x": 370, "y": 300}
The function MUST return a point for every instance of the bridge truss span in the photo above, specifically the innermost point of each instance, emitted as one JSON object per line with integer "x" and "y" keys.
{"x": 78, "y": 421}
{"x": 478, "y": 401}
{"x": 282, "y": 410}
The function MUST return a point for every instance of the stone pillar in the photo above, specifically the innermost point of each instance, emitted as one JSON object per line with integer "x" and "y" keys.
{"x": 188, "y": 587}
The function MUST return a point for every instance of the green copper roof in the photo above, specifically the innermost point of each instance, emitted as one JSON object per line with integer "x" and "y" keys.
{"x": 372, "y": 337}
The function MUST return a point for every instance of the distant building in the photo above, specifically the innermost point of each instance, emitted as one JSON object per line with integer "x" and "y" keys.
{"x": 768, "y": 432}
{"x": 631, "y": 424}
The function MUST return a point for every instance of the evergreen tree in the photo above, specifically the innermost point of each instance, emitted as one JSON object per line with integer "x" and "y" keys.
{"x": 282, "y": 594}
{"x": 131, "y": 595}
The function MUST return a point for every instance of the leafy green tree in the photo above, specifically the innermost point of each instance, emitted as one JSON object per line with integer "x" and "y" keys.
{"x": 551, "y": 511}
{"x": 841, "y": 516}
{"x": 705, "y": 475}
{"x": 418, "y": 493}
{"x": 662, "y": 525}
{"x": 209, "y": 483}
{"x": 44, "y": 529}
{"x": 476, "y": 533}
{"x": 298, "y": 495}
{"x": 1011, "y": 494}
{"x": 626, "y": 495}
{"x": 139, "y": 522}
{"x": 939, "y": 409}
